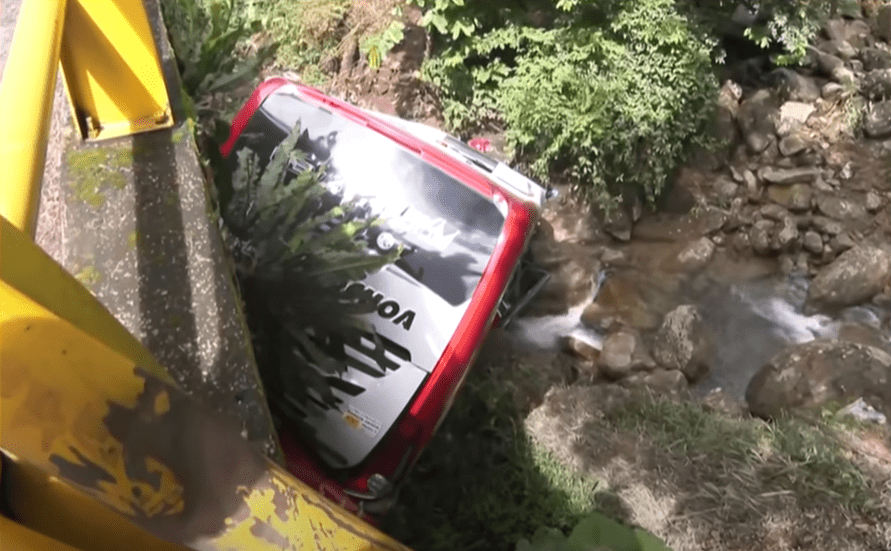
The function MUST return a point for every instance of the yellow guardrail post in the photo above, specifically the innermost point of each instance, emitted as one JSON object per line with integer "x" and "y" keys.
{"x": 26, "y": 101}
{"x": 112, "y": 70}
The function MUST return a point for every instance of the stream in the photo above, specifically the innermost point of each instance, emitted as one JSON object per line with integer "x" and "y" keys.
{"x": 750, "y": 321}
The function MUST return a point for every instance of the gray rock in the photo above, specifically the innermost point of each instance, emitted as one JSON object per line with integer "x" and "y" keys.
{"x": 696, "y": 255}
{"x": 827, "y": 63}
{"x": 812, "y": 242}
{"x": 756, "y": 118}
{"x": 852, "y": 278}
{"x": 858, "y": 34}
{"x": 788, "y": 176}
{"x": 843, "y": 76}
{"x": 873, "y": 201}
{"x": 792, "y": 145}
{"x": 624, "y": 352}
{"x": 883, "y": 21}
{"x": 839, "y": 48}
{"x": 569, "y": 285}
{"x": 736, "y": 175}
{"x": 836, "y": 29}
{"x": 751, "y": 182}
{"x": 877, "y": 121}
{"x": 579, "y": 348}
{"x": 787, "y": 264}
{"x": 619, "y": 224}
{"x": 838, "y": 208}
{"x": 786, "y": 237}
{"x": 793, "y": 86}
{"x": 875, "y": 58}
{"x": 759, "y": 236}
{"x": 811, "y": 375}
{"x": 821, "y": 185}
{"x": 757, "y": 141}
{"x": 826, "y": 225}
{"x": 793, "y": 114}
{"x": 660, "y": 382}
{"x": 774, "y": 212}
{"x": 856, "y": 66}
{"x": 719, "y": 401}
{"x": 876, "y": 84}
{"x": 726, "y": 189}
{"x": 741, "y": 241}
{"x": 832, "y": 90}
{"x": 796, "y": 197}
{"x": 682, "y": 342}
{"x": 841, "y": 243}
{"x": 612, "y": 256}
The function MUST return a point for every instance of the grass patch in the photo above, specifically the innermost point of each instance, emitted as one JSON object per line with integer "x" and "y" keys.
{"x": 787, "y": 455}
{"x": 482, "y": 484}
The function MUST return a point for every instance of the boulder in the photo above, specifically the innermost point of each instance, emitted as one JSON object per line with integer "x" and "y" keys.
{"x": 793, "y": 86}
{"x": 873, "y": 201}
{"x": 664, "y": 383}
{"x": 839, "y": 48}
{"x": 796, "y": 197}
{"x": 883, "y": 22}
{"x": 759, "y": 236}
{"x": 682, "y": 342}
{"x": 579, "y": 349}
{"x": 774, "y": 212}
{"x": 756, "y": 119}
{"x": 844, "y": 76}
{"x": 835, "y": 29}
{"x": 876, "y": 84}
{"x": 826, "y": 225}
{"x": 695, "y": 256}
{"x": 827, "y": 63}
{"x": 619, "y": 224}
{"x": 725, "y": 189}
{"x": 839, "y": 208}
{"x": 786, "y": 237}
{"x": 792, "y": 145}
{"x": 624, "y": 352}
{"x": 841, "y": 243}
{"x": 877, "y": 120}
{"x": 624, "y": 300}
{"x": 741, "y": 241}
{"x": 793, "y": 115}
{"x": 812, "y": 242}
{"x": 788, "y": 176}
{"x": 858, "y": 34}
{"x": 831, "y": 90}
{"x": 719, "y": 401}
{"x": 569, "y": 285}
{"x": 852, "y": 278}
{"x": 875, "y": 58}
{"x": 810, "y": 375}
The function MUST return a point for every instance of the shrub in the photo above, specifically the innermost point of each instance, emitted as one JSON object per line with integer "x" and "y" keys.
{"x": 614, "y": 93}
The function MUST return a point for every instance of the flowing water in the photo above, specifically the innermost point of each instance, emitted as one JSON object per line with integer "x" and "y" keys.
{"x": 749, "y": 322}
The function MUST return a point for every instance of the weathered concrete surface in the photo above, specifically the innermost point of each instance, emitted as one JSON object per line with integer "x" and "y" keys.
{"x": 130, "y": 218}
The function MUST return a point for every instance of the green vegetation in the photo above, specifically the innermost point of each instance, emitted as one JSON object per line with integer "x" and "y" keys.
{"x": 482, "y": 483}
{"x": 94, "y": 168}
{"x": 786, "y": 455}
{"x": 88, "y": 276}
{"x": 612, "y": 94}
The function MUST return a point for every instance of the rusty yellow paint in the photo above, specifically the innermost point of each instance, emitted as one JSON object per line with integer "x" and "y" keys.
{"x": 88, "y": 418}
{"x": 112, "y": 71}
{"x": 26, "y": 100}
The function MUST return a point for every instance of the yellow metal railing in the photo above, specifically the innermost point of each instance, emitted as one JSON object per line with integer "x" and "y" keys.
{"x": 26, "y": 101}
{"x": 112, "y": 74}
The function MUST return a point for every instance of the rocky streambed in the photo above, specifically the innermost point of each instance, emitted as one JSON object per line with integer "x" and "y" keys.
{"x": 771, "y": 256}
